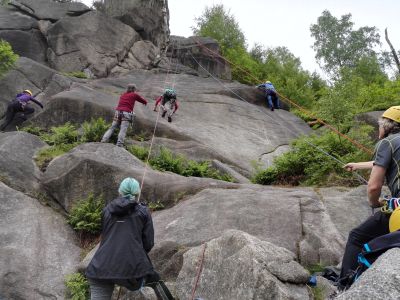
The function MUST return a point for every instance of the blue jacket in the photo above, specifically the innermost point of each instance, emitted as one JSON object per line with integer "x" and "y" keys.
{"x": 266, "y": 86}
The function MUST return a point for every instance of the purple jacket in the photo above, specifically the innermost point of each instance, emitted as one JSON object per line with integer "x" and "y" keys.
{"x": 25, "y": 98}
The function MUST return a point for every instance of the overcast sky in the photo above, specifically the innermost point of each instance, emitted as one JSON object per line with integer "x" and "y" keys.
{"x": 287, "y": 22}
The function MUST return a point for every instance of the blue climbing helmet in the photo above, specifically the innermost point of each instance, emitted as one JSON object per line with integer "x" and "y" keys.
{"x": 170, "y": 93}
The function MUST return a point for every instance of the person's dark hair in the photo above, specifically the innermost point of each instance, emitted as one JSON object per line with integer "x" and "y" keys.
{"x": 389, "y": 126}
{"x": 131, "y": 87}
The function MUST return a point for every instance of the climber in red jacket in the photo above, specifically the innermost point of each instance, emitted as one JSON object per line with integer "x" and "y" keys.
{"x": 169, "y": 104}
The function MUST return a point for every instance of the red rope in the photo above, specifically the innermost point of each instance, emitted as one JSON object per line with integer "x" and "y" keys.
{"x": 200, "y": 268}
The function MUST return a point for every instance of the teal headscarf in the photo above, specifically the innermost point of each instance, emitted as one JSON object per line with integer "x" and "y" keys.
{"x": 129, "y": 187}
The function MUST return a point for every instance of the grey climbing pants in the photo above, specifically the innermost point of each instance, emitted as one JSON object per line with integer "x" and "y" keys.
{"x": 101, "y": 289}
{"x": 121, "y": 120}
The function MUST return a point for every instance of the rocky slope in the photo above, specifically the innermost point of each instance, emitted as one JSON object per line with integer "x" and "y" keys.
{"x": 259, "y": 239}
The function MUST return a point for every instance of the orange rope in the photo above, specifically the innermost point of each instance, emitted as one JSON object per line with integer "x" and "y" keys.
{"x": 307, "y": 112}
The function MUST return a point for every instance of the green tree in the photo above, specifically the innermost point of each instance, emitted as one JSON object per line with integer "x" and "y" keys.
{"x": 282, "y": 68}
{"x": 7, "y": 57}
{"x": 338, "y": 45}
{"x": 218, "y": 23}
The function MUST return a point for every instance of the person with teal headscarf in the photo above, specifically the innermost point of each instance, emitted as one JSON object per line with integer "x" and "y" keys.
{"x": 127, "y": 237}
{"x": 129, "y": 188}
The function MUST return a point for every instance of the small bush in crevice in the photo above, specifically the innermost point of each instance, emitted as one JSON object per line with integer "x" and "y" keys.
{"x": 306, "y": 164}
{"x": 167, "y": 161}
{"x": 45, "y": 155}
{"x": 94, "y": 130}
{"x": 77, "y": 287}
{"x": 157, "y": 205}
{"x": 85, "y": 215}
{"x": 64, "y": 134}
{"x": 77, "y": 74}
{"x": 140, "y": 152}
{"x": 35, "y": 130}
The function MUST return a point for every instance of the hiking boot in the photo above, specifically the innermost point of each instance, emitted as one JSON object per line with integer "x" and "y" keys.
{"x": 169, "y": 119}
{"x": 163, "y": 114}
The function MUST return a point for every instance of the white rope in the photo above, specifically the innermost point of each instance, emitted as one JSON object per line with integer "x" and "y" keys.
{"x": 156, "y": 123}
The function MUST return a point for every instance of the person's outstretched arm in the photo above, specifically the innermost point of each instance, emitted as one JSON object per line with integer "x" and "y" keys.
{"x": 157, "y": 103}
{"x": 140, "y": 99}
{"x": 36, "y": 101}
{"x": 359, "y": 166}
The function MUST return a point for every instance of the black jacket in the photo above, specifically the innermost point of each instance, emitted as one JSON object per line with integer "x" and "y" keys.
{"x": 127, "y": 237}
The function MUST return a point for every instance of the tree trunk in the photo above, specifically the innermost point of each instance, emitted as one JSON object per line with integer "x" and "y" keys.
{"x": 396, "y": 59}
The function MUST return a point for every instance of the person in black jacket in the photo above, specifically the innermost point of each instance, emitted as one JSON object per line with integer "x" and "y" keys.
{"x": 127, "y": 237}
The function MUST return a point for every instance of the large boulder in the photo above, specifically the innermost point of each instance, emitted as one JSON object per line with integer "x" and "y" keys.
{"x": 240, "y": 266}
{"x": 233, "y": 131}
{"x": 142, "y": 55}
{"x": 340, "y": 201}
{"x": 104, "y": 42}
{"x": 307, "y": 230}
{"x": 149, "y": 18}
{"x": 28, "y": 74}
{"x": 199, "y": 54}
{"x": 381, "y": 281}
{"x": 16, "y": 159}
{"x": 78, "y": 104}
{"x": 37, "y": 248}
{"x": 22, "y": 32}
{"x": 26, "y": 43}
{"x": 99, "y": 168}
{"x": 49, "y": 9}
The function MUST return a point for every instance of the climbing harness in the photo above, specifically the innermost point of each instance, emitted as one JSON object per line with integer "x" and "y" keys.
{"x": 390, "y": 204}
{"x": 392, "y": 207}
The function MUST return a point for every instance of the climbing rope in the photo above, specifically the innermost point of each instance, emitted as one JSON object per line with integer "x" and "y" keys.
{"x": 263, "y": 112}
{"x": 156, "y": 123}
{"x": 307, "y": 112}
{"x": 199, "y": 270}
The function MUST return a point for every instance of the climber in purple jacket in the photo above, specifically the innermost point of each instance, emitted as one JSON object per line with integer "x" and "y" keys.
{"x": 20, "y": 104}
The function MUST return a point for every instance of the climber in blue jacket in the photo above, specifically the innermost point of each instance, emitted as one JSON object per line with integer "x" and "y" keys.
{"x": 270, "y": 94}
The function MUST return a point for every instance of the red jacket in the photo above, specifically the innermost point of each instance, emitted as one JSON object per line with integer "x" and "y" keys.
{"x": 159, "y": 99}
{"x": 127, "y": 101}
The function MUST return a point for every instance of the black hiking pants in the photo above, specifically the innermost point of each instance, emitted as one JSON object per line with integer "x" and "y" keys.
{"x": 374, "y": 226}
{"x": 12, "y": 109}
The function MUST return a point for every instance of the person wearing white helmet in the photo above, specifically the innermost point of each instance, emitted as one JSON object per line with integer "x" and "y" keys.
{"x": 385, "y": 165}
{"x": 20, "y": 104}
{"x": 270, "y": 94}
{"x": 169, "y": 103}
